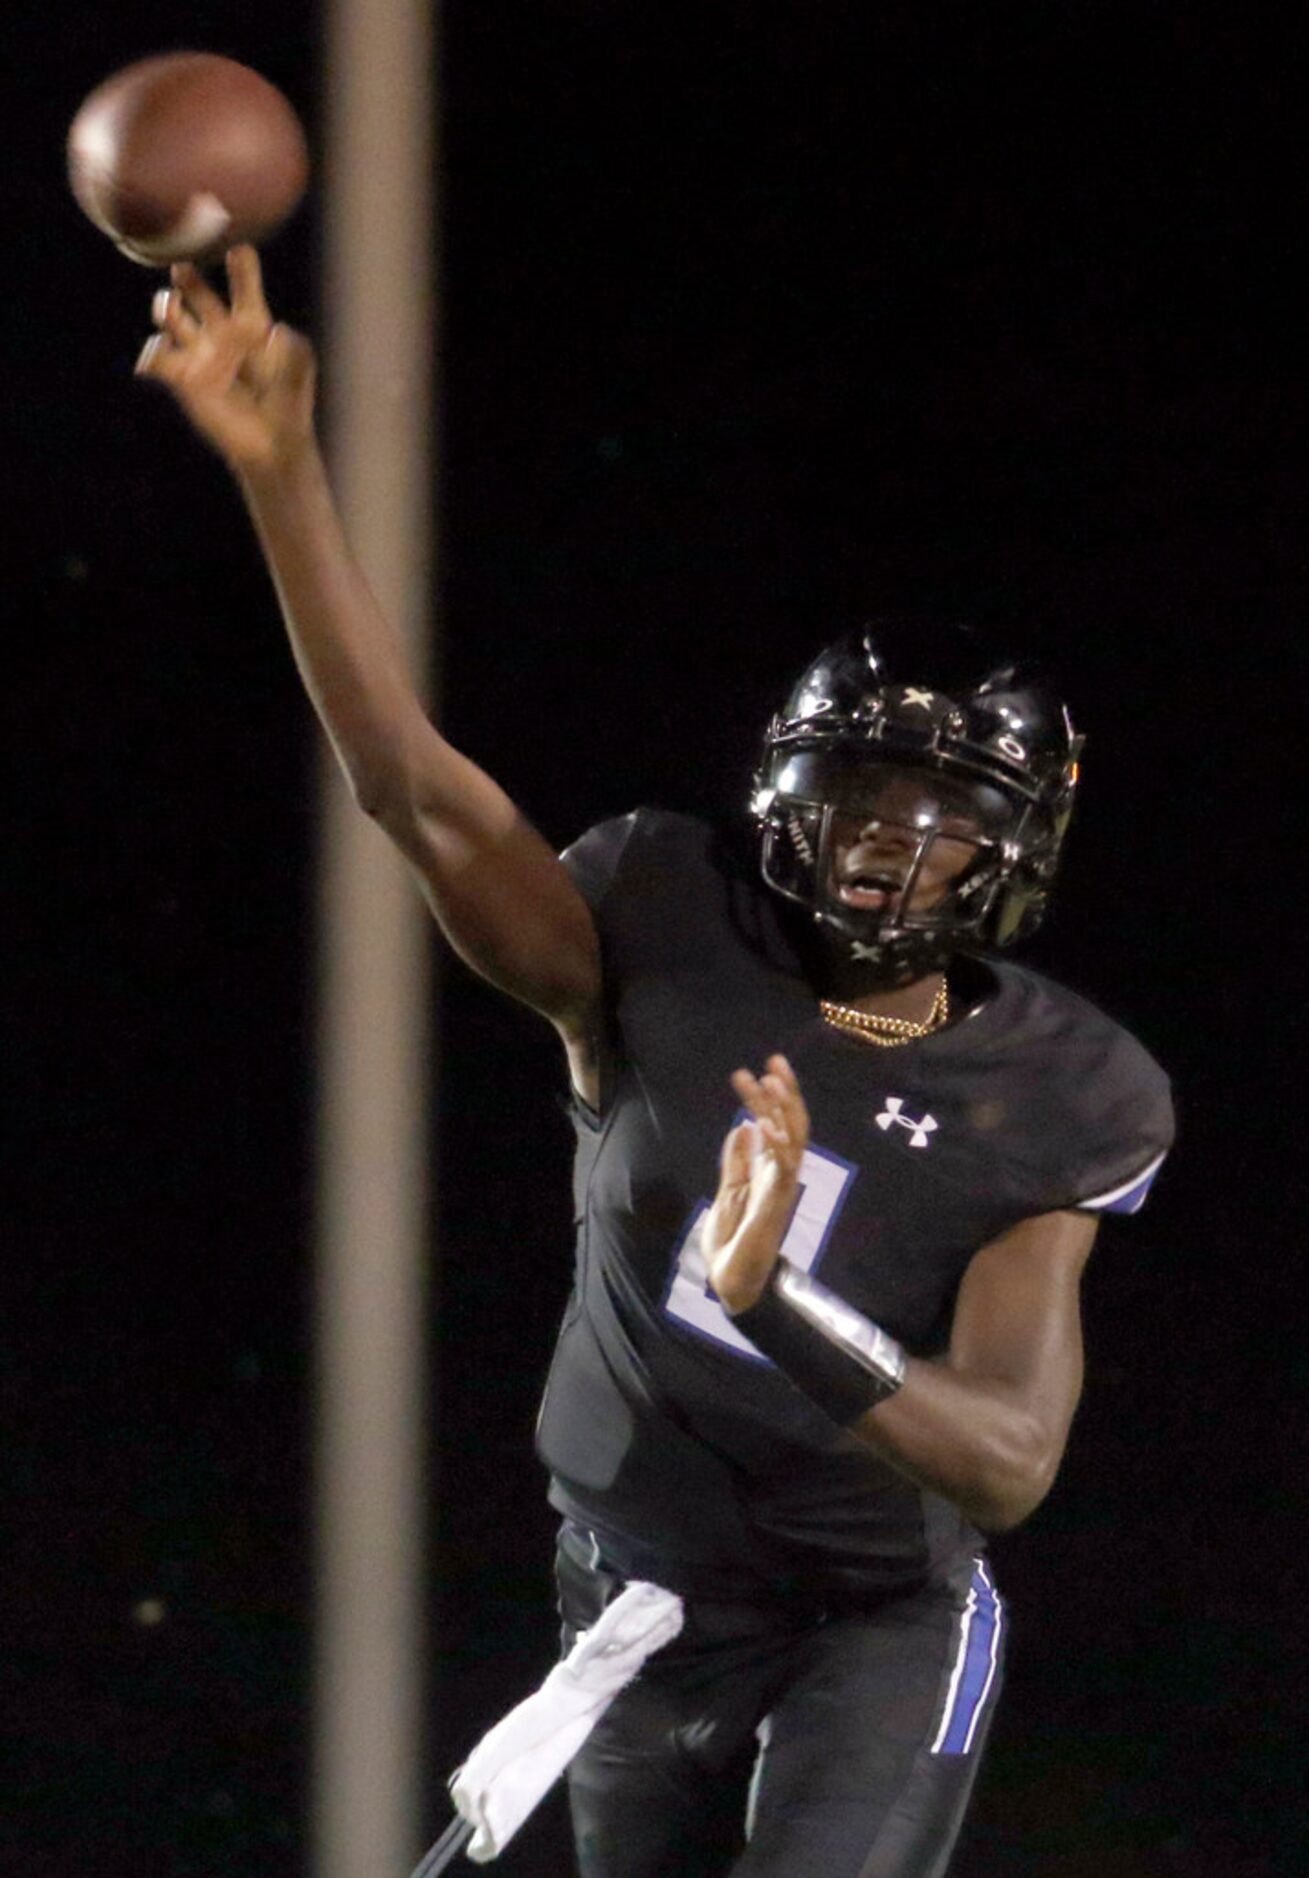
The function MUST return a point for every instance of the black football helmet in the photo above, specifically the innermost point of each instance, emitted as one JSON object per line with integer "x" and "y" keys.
{"x": 898, "y": 737}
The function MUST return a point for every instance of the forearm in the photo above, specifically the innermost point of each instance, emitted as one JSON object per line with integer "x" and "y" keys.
{"x": 352, "y": 662}
{"x": 494, "y": 884}
{"x": 969, "y": 1439}
{"x": 953, "y": 1426}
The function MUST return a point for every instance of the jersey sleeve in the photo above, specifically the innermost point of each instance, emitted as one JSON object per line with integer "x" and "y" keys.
{"x": 594, "y": 859}
{"x": 1129, "y": 1196}
{"x": 594, "y": 863}
{"x": 1130, "y": 1135}
{"x": 639, "y": 874}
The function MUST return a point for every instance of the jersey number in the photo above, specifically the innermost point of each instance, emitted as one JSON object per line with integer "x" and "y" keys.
{"x": 824, "y": 1183}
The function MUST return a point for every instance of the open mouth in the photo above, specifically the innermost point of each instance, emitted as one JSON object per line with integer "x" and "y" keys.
{"x": 870, "y": 889}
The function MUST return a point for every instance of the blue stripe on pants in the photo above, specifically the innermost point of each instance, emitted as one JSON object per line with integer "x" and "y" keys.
{"x": 973, "y": 1673}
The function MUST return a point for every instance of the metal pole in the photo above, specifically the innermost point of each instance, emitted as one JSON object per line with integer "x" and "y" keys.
{"x": 374, "y": 1224}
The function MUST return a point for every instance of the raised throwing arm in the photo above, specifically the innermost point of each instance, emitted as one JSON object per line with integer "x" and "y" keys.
{"x": 500, "y": 894}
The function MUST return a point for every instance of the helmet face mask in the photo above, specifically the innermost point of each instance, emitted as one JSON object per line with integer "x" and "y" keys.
{"x": 914, "y": 821}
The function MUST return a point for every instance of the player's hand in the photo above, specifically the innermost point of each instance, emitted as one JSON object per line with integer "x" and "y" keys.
{"x": 245, "y": 382}
{"x": 758, "y": 1184}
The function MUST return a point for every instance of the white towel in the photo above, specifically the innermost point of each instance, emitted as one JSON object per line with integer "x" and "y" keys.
{"x": 518, "y": 1761}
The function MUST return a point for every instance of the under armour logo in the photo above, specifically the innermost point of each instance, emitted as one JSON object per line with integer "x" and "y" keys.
{"x": 891, "y": 1117}
{"x": 871, "y": 954}
{"x": 924, "y": 699}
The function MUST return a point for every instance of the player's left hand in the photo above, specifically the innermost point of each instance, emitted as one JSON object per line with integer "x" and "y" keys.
{"x": 758, "y": 1183}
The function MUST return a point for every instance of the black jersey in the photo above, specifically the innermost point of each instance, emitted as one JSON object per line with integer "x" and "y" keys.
{"x": 664, "y": 1430}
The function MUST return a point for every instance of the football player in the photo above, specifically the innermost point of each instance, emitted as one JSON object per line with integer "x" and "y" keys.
{"x": 840, "y": 1165}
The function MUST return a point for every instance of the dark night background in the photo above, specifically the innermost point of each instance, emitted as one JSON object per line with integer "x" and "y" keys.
{"x": 756, "y": 317}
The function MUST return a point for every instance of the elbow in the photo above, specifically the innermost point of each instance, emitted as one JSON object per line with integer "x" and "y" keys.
{"x": 1015, "y": 1482}
{"x": 1001, "y": 1512}
{"x": 380, "y": 779}
{"x": 382, "y": 797}
{"x": 370, "y": 799}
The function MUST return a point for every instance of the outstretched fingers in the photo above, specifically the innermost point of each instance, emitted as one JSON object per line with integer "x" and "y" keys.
{"x": 775, "y": 1102}
{"x": 184, "y": 349}
{"x": 738, "y": 1148}
{"x": 246, "y": 384}
{"x": 191, "y": 322}
{"x": 757, "y": 1185}
{"x": 201, "y": 300}
{"x": 172, "y": 316}
{"x": 147, "y": 359}
{"x": 285, "y": 360}
{"x": 245, "y": 278}
{"x": 160, "y": 357}
{"x": 728, "y": 1210}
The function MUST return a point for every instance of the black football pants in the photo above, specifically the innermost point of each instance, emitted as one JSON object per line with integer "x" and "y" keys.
{"x": 763, "y": 1743}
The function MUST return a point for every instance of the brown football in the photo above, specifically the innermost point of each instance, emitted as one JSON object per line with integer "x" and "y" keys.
{"x": 179, "y": 156}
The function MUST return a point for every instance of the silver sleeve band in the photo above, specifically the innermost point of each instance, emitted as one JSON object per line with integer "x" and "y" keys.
{"x": 848, "y": 1330}
{"x": 831, "y": 1353}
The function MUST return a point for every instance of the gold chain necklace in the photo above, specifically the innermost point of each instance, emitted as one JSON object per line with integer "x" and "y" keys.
{"x": 887, "y": 1032}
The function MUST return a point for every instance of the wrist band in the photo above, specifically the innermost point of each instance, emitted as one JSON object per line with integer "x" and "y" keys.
{"x": 830, "y": 1351}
